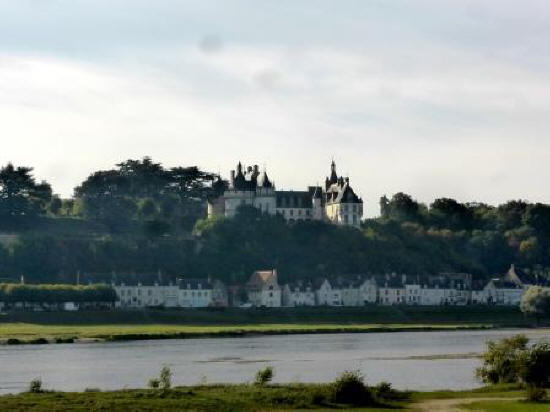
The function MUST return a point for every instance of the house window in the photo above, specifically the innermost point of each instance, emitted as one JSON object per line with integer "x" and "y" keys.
{"x": 270, "y": 294}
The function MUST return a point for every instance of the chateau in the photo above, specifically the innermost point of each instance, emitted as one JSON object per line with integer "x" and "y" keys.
{"x": 335, "y": 202}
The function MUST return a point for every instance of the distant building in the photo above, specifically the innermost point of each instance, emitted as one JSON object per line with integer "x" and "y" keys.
{"x": 335, "y": 202}
{"x": 298, "y": 294}
{"x": 263, "y": 289}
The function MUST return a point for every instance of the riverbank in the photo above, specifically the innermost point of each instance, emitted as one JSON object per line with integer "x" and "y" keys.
{"x": 68, "y": 327}
{"x": 23, "y": 333}
{"x": 246, "y": 397}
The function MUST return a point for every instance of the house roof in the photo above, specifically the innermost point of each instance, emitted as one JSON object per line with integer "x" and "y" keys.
{"x": 194, "y": 284}
{"x": 261, "y": 277}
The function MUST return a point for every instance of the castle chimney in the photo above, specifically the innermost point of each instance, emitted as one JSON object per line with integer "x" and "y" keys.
{"x": 232, "y": 178}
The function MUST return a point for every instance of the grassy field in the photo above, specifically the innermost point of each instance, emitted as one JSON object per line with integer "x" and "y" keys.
{"x": 35, "y": 333}
{"x": 256, "y": 398}
{"x": 157, "y": 324}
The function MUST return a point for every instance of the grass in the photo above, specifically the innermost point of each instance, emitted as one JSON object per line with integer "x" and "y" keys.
{"x": 35, "y": 327}
{"x": 202, "y": 398}
{"x": 245, "y": 397}
{"x": 31, "y": 333}
{"x": 504, "y": 406}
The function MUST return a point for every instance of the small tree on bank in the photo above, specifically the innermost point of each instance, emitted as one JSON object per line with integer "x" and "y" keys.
{"x": 264, "y": 376}
{"x": 512, "y": 361}
{"x": 536, "y": 302}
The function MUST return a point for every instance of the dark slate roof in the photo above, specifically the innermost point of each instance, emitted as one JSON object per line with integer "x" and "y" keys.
{"x": 299, "y": 286}
{"x": 264, "y": 180}
{"x": 193, "y": 284}
{"x": 292, "y": 199}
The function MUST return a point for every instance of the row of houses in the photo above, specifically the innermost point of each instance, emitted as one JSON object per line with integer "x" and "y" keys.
{"x": 263, "y": 290}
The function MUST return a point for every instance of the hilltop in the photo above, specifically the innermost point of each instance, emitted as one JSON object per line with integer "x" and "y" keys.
{"x": 140, "y": 219}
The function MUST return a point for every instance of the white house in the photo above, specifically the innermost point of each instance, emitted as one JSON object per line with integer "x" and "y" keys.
{"x": 391, "y": 290}
{"x": 141, "y": 295}
{"x": 195, "y": 293}
{"x": 326, "y": 295}
{"x": 263, "y": 289}
{"x": 368, "y": 291}
{"x": 413, "y": 293}
{"x": 501, "y": 292}
{"x": 298, "y": 294}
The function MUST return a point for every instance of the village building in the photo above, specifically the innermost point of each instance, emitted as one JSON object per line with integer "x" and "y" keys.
{"x": 298, "y": 294}
{"x": 263, "y": 289}
{"x": 391, "y": 290}
{"x": 325, "y": 295}
{"x": 502, "y": 292}
{"x": 335, "y": 202}
{"x": 195, "y": 293}
{"x": 368, "y": 291}
{"x": 146, "y": 294}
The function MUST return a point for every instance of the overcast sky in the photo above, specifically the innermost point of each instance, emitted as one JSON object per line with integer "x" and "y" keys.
{"x": 433, "y": 98}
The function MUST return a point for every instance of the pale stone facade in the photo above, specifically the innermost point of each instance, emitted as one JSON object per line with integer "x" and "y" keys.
{"x": 263, "y": 289}
{"x": 336, "y": 202}
{"x": 298, "y": 294}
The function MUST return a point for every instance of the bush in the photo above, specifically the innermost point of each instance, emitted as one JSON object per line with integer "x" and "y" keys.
{"x": 349, "y": 388}
{"x": 154, "y": 383}
{"x": 35, "y": 386}
{"x": 535, "y": 394}
{"x": 384, "y": 391}
{"x": 535, "y": 366}
{"x": 165, "y": 378}
{"x": 263, "y": 376}
{"x": 502, "y": 362}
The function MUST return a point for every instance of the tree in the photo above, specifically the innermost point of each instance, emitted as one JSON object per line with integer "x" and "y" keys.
{"x": 449, "y": 213}
{"x": 536, "y": 301}
{"x": 55, "y": 205}
{"x": 403, "y": 207}
{"x": 502, "y": 362}
{"x": 20, "y": 195}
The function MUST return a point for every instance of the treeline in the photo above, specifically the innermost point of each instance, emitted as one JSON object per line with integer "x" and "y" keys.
{"x": 12, "y": 293}
{"x": 136, "y": 196}
{"x": 141, "y": 219}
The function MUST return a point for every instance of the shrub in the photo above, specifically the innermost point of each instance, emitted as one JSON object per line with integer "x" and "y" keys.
{"x": 165, "y": 378}
{"x": 154, "y": 383}
{"x": 535, "y": 366}
{"x": 263, "y": 376}
{"x": 535, "y": 394}
{"x": 502, "y": 361}
{"x": 350, "y": 388}
{"x": 384, "y": 390}
{"x": 35, "y": 386}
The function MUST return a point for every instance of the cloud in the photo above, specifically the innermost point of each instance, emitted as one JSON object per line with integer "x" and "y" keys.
{"x": 435, "y": 101}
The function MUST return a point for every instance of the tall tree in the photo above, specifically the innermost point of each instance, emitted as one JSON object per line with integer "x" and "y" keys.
{"x": 20, "y": 195}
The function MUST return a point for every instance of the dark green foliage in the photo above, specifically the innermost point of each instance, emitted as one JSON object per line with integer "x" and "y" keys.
{"x": 536, "y": 394}
{"x": 535, "y": 368}
{"x": 138, "y": 218}
{"x": 512, "y": 361}
{"x": 55, "y": 294}
{"x": 349, "y": 388}
{"x": 139, "y": 191}
{"x": 35, "y": 386}
{"x": 21, "y": 198}
{"x": 264, "y": 376}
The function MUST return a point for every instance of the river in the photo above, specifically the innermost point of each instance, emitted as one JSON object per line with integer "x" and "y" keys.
{"x": 409, "y": 360}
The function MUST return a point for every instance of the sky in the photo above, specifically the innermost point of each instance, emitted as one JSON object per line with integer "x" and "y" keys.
{"x": 433, "y": 98}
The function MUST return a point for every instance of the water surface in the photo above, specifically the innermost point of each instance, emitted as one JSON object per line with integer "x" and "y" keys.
{"x": 409, "y": 360}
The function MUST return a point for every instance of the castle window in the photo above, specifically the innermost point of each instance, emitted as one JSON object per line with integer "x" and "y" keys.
{"x": 291, "y": 212}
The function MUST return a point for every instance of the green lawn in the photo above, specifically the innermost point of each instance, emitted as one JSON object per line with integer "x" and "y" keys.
{"x": 206, "y": 398}
{"x": 245, "y": 397}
